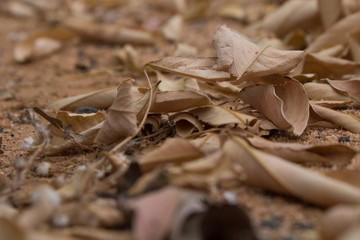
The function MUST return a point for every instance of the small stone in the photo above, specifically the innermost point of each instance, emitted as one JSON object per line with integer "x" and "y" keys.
{"x": 344, "y": 139}
{"x": 43, "y": 169}
{"x": 273, "y": 223}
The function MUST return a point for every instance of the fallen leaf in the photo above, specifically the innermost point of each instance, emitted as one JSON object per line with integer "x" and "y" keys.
{"x": 354, "y": 44}
{"x": 175, "y": 101}
{"x": 284, "y": 102}
{"x": 173, "y": 28}
{"x": 351, "y": 87}
{"x": 273, "y": 173}
{"x": 335, "y": 34}
{"x": 129, "y": 57}
{"x": 325, "y": 92}
{"x": 108, "y": 33}
{"x": 201, "y": 68}
{"x": 173, "y": 150}
{"x": 42, "y": 44}
{"x": 185, "y": 124}
{"x": 241, "y": 56}
{"x": 101, "y": 99}
{"x": 10, "y": 230}
{"x": 330, "y": 11}
{"x": 184, "y": 50}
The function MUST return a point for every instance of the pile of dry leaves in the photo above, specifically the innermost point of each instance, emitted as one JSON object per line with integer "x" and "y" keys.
{"x": 174, "y": 146}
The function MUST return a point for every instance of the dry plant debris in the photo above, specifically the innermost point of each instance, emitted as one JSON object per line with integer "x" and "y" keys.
{"x": 205, "y": 120}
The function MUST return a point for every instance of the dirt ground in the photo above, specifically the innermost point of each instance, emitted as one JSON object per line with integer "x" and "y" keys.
{"x": 42, "y": 81}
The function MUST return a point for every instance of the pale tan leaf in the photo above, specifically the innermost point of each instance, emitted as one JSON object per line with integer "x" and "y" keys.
{"x": 354, "y": 45}
{"x": 177, "y": 101}
{"x": 167, "y": 84}
{"x": 347, "y": 121}
{"x": 101, "y": 99}
{"x": 173, "y": 150}
{"x": 337, "y": 220}
{"x": 121, "y": 120}
{"x": 178, "y": 6}
{"x": 108, "y": 33}
{"x": 80, "y": 122}
{"x": 241, "y": 56}
{"x": 173, "y": 28}
{"x": 273, "y": 173}
{"x": 153, "y": 121}
{"x": 321, "y": 91}
{"x": 201, "y": 68}
{"x": 10, "y": 230}
{"x": 338, "y": 51}
{"x": 329, "y": 67}
{"x": 291, "y": 15}
{"x": 330, "y": 11}
{"x": 336, "y": 34}
{"x": 351, "y": 87}
{"x": 183, "y": 50}
{"x": 129, "y": 57}
{"x": 284, "y": 102}
{"x": 185, "y": 124}
{"x": 42, "y": 44}
{"x": 218, "y": 116}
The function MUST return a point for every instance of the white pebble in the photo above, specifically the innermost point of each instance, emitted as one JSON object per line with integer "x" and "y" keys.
{"x": 61, "y": 220}
{"x": 43, "y": 169}
{"x": 28, "y": 142}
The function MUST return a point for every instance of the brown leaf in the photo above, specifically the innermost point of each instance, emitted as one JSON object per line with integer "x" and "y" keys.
{"x": 330, "y": 11}
{"x": 321, "y": 91}
{"x": 273, "y": 173}
{"x": 217, "y": 116}
{"x": 336, "y": 34}
{"x": 178, "y": 101}
{"x": 108, "y": 33}
{"x": 42, "y": 43}
{"x": 173, "y": 28}
{"x": 284, "y": 102}
{"x": 347, "y": 121}
{"x": 121, "y": 120}
{"x": 10, "y": 230}
{"x": 185, "y": 124}
{"x": 351, "y": 87}
{"x": 354, "y": 45}
{"x": 243, "y": 57}
{"x": 101, "y": 99}
{"x": 173, "y": 150}
{"x": 201, "y": 68}
{"x": 329, "y": 67}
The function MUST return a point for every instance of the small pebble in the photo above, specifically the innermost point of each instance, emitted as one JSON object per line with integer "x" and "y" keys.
{"x": 86, "y": 110}
{"x": 60, "y": 220}
{"x": 344, "y": 139}
{"x": 43, "y": 169}
{"x": 274, "y": 222}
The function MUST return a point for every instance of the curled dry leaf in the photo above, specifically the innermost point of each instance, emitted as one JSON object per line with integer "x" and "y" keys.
{"x": 108, "y": 33}
{"x": 329, "y": 67}
{"x": 284, "y": 102}
{"x": 173, "y": 28}
{"x": 167, "y": 84}
{"x": 42, "y": 44}
{"x": 121, "y": 120}
{"x": 177, "y": 101}
{"x": 173, "y": 150}
{"x": 186, "y": 124}
{"x": 273, "y": 173}
{"x": 347, "y": 121}
{"x": 101, "y": 99}
{"x": 201, "y": 68}
{"x": 351, "y": 87}
{"x": 336, "y": 34}
{"x": 321, "y": 91}
{"x": 241, "y": 56}
{"x": 217, "y": 116}
{"x": 183, "y": 50}
{"x": 291, "y": 15}
{"x": 338, "y": 220}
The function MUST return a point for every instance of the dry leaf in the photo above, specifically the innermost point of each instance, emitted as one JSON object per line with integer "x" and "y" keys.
{"x": 18, "y": 9}
{"x": 284, "y": 102}
{"x": 173, "y": 150}
{"x": 173, "y": 28}
{"x": 325, "y": 92}
{"x": 183, "y": 50}
{"x": 351, "y": 87}
{"x": 338, "y": 220}
{"x": 108, "y": 33}
{"x": 329, "y": 67}
{"x": 129, "y": 57}
{"x": 217, "y": 116}
{"x": 243, "y": 57}
{"x": 121, "y": 120}
{"x": 330, "y": 11}
{"x": 101, "y": 99}
{"x": 42, "y": 43}
{"x": 185, "y": 124}
{"x": 201, "y": 68}
{"x": 354, "y": 45}
{"x": 347, "y": 121}
{"x": 291, "y": 15}
{"x": 10, "y": 230}
{"x": 178, "y": 101}
{"x": 167, "y": 84}
{"x": 336, "y": 34}
{"x": 178, "y": 6}
{"x": 273, "y": 173}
